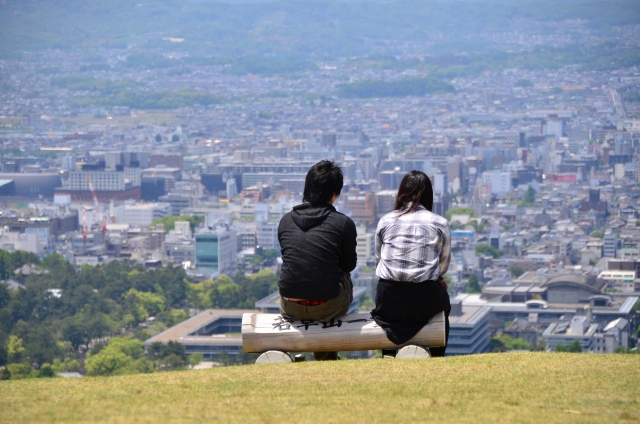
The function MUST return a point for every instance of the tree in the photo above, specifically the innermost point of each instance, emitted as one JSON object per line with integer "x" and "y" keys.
{"x": 15, "y": 350}
{"x": 530, "y": 196}
{"x": 506, "y": 343}
{"x": 55, "y": 261}
{"x": 169, "y": 222}
{"x": 172, "y": 361}
{"x": 175, "y": 138}
{"x": 473, "y": 286}
{"x": 257, "y": 286}
{"x": 174, "y": 316}
{"x": 226, "y": 294}
{"x": 516, "y": 271}
{"x": 195, "y": 359}
{"x": 144, "y": 304}
{"x": 158, "y": 138}
{"x": 487, "y": 249}
{"x": 575, "y": 347}
{"x": 366, "y": 303}
{"x": 459, "y": 211}
{"x": 107, "y": 362}
{"x": 5, "y": 296}
{"x": 561, "y": 348}
{"x": 46, "y": 371}
{"x": 123, "y": 355}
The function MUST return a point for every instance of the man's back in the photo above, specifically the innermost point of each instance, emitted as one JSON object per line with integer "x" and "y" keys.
{"x": 317, "y": 243}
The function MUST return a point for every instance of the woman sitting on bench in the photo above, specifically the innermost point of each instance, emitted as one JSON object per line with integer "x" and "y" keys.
{"x": 413, "y": 251}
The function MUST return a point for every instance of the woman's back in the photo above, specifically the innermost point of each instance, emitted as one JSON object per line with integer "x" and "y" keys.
{"x": 413, "y": 251}
{"x": 413, "y": 246}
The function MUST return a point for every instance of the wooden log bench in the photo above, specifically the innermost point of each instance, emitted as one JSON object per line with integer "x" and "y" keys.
{"x": 274, "y": 337}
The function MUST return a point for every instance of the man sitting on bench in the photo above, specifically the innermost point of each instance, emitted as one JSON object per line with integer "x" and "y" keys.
{"x": 318, "y": 252}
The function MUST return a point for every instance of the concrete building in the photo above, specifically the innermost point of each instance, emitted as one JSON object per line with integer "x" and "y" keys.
{"x": 29, "y": 185}
{"x": 101, "y": 180}
{"x": 591, "y": 336}
{"x": 179, "y": 249}
{"x": 500, "y": 181}
{"x": 211, "y": 332}
{"x": 468, "y": 329}
{"x": 170, "y": 160}
{"x": 361, "y": 206}
{"x": 609, "y": 245}
{"x": 215, "y": 251}
{"x": 366, "y": 245}
{"x": 12, "y": 241}
{"x": 267, "y": 235}
{"x": 142, "y": 214}
{"x": 177, "y": 201}
{"x": 385, "y": 202}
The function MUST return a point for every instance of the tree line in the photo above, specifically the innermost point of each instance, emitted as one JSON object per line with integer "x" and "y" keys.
{"x": 400, "y": 88}
{"x": 65, "y": 318}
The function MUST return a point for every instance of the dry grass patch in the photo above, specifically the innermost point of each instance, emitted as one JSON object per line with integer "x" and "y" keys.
{"x": 531, "y": 387}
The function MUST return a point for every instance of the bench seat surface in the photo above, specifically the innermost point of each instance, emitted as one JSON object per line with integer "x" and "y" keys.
{"x": 263, "y": 332}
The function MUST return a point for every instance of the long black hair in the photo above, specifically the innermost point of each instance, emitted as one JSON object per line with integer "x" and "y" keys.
{"x": 415, "y": 190}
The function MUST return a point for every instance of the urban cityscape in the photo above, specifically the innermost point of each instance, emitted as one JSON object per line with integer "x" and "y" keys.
{"x": 141, "y": 189}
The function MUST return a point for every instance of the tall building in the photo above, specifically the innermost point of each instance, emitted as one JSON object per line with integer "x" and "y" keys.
{"x": 267, "y": 235}
{"x": 170, "y": 160}
{"x": 107, "y": 185}
{"x": 390, "y": 180}
{"x": 468, "y": 329}
{"x": 215, "y": 251}
{"x": 366, "y": 245}
{"x": 362, "y": 206}
{"x": 142, "y": 214}
{"x": 609, "y": 245}
{"x": 500, "y": 181}
{"x": 385, "y": 202}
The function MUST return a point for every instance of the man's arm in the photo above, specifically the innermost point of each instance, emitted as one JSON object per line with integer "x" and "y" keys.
{"x": 349, "y": 257}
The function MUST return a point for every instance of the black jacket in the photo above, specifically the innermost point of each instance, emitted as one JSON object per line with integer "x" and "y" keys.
{"x": 317, "y": 243}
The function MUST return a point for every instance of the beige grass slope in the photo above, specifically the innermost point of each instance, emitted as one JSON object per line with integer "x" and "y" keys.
{"x": 527, "y": 387}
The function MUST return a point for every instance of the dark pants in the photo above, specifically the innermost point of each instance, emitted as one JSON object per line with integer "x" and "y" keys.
{"x": 434, "y": 351}
{"x": 403, "y": 308}
{"x": 329, "y": 310}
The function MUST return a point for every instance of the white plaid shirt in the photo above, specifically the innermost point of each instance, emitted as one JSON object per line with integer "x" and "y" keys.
{"x": 414, "y": 247}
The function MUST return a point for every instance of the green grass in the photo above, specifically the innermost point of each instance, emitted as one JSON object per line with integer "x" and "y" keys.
{"x": 519, "y": 387}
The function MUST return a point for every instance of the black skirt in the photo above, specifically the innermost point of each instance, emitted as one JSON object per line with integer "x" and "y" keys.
{"x": 403, "y": 308}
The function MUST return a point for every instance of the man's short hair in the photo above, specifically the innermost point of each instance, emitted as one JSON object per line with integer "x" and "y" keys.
{"x": 323, "y": 181}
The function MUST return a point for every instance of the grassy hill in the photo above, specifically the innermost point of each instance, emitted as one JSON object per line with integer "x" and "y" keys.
{"x": 519, "y": 387}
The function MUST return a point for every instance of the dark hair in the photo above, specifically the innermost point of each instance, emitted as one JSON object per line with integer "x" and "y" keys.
{"x": 323, "y": 181}
{"x": 415, "y": 189}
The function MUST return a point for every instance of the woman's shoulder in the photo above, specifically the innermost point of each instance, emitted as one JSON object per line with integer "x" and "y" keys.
{"x": 432, "y": 217}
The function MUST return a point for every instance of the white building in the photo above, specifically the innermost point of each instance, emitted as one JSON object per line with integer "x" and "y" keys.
{"x": 366, "y": 245}
{"x": 216, "y": 251}
{"x": 102, "y": 180}
{"x": 589, "y": 335}
{"x": 267, "y": 235}
{"x": 142, "y": 214}
{"x": 11, "y": 241}
{"x": 440, "y": 184}
{"x": 500, "y": 181}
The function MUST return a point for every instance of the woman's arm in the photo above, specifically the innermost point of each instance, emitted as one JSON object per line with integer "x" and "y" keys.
{"x": 445, "y": 252}
{"x": 378, "y": 241}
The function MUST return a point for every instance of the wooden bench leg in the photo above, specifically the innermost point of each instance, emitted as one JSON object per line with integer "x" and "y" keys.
{"x": 413, "y": 352}
{"x": 274, "y": 357}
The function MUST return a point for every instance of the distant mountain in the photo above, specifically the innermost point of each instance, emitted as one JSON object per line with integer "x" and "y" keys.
{"x": 309, "y": 27}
